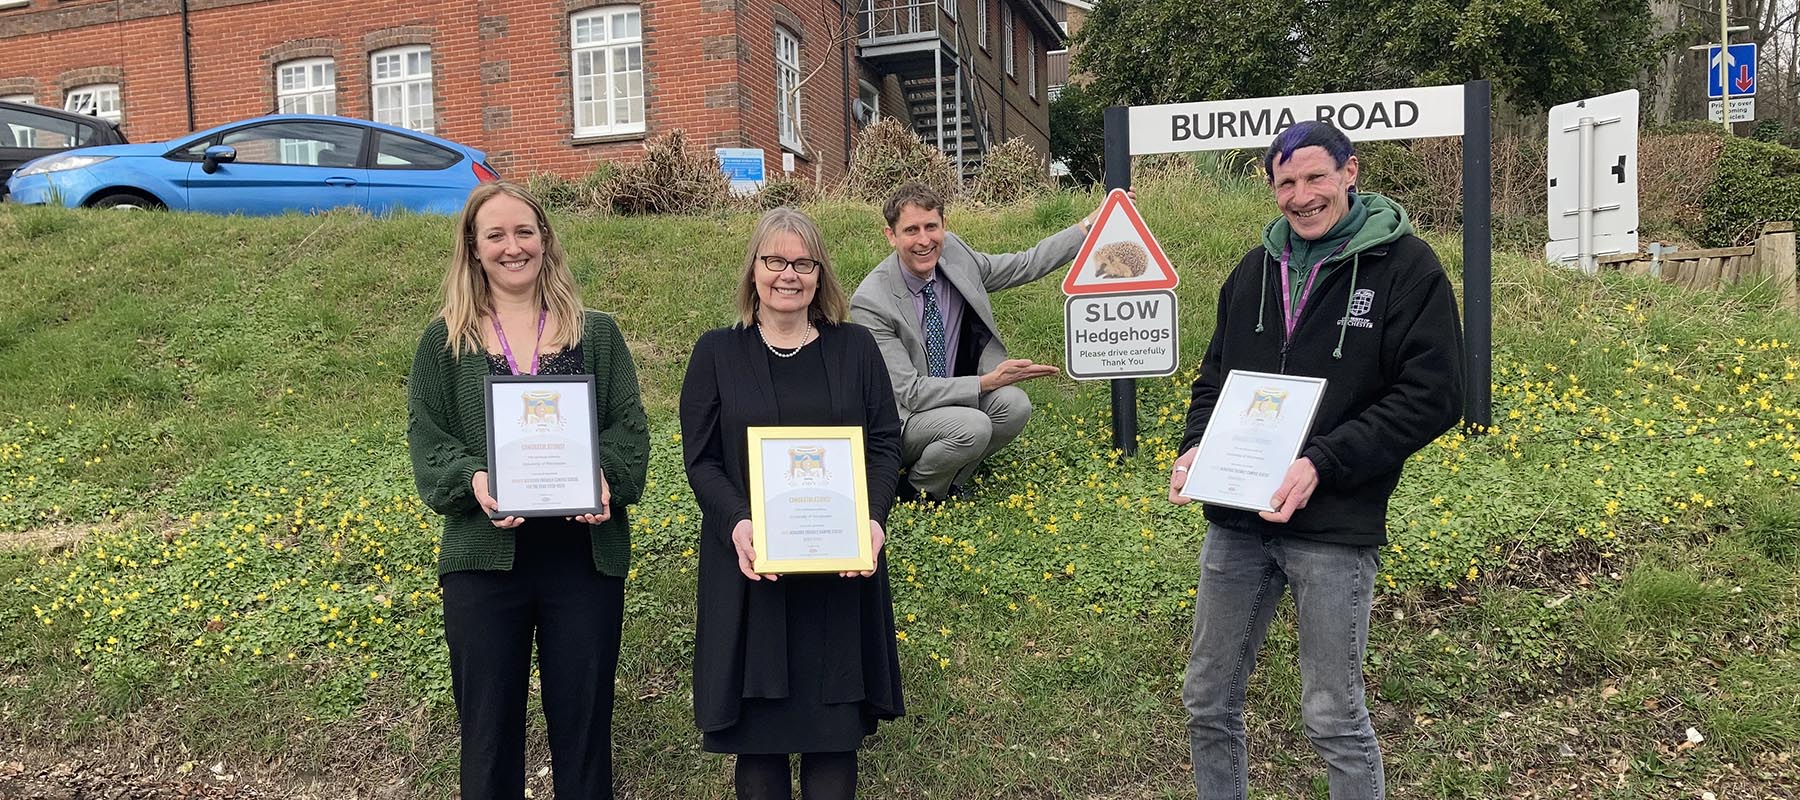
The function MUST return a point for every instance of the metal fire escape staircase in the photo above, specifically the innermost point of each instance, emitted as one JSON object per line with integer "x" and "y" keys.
{"x": 921, "y": 44}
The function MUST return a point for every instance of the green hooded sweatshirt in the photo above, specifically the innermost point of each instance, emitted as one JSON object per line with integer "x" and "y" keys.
{"x": 1371, "y": 221}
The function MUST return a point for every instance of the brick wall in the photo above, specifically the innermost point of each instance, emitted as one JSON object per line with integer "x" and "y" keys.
{"x": 500, "y": 68}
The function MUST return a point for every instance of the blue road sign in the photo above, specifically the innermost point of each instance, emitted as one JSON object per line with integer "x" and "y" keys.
{"x": 1740, "y": 70}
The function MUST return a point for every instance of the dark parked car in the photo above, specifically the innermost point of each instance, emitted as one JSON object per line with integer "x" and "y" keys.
{"x": 28, "y": 132}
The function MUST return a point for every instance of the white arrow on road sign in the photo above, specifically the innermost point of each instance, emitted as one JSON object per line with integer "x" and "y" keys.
{"x": 1739, "y": 72}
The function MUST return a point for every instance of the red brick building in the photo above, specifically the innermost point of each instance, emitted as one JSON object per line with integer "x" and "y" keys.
{"x": 550, "y": 85}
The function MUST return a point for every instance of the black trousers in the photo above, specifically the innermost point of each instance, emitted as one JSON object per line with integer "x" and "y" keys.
{"x": 554, "y": 595}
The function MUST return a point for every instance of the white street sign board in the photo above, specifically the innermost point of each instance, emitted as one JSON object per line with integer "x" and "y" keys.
{"x": 1611, "y": 175}
{"x": 1743, "y": 109}
{"x": 1253, "y": 123}
{"x": 1126, "y": 335}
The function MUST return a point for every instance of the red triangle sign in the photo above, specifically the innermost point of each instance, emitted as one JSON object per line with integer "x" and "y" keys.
{"x": 1119, "y": 255}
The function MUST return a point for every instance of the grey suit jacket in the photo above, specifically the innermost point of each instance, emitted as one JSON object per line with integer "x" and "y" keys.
{"x": 883, "y": 305}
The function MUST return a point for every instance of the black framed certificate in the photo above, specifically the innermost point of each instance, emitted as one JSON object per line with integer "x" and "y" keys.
{"x": 1257, "y": 429}
{"x": 543, "y": 445}
{"x": 809, "y": 500}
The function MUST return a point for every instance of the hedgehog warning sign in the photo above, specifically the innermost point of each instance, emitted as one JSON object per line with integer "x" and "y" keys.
{"x": 1119, "y": 255}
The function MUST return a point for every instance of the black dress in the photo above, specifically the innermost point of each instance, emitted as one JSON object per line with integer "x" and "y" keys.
{"x": 807, "y": 663}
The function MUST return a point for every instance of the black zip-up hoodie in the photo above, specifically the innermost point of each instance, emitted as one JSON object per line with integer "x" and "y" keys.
{"x": 1383, "y": 332}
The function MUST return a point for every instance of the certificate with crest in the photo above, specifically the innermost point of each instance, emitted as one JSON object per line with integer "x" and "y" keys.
{"x": 543, "y": 445}
{"x": 809, "y": 500}
{"x": 1258, "y": 427}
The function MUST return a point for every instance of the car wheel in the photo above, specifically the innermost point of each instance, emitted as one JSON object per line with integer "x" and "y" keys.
{"x": 125, "y": 201}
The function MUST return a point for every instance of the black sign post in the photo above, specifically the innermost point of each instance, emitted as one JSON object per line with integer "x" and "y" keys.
{"x": 1478, "y": 254}
{"x": 1118, "y": 176}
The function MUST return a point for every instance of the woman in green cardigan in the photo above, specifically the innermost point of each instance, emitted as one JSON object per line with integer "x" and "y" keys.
{"x": 510, "y": 306}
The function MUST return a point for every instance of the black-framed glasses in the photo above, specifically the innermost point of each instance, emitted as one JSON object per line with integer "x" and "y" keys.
{"x": 803, "y": 266}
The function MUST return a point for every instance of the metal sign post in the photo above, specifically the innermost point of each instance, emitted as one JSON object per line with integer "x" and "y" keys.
{"x": 1478, "y": 253}
{"x": 1118, "y": 176}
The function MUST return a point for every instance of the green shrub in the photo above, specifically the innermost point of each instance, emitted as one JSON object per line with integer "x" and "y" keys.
{"x": 888, "y": 155}
{"x": 554, "y": 191}
{"x": 1757, "y": 182}
{"x": 784, "y": 190}
{"x": 1011, "y": 172}
{"x": 1078, "y": 133}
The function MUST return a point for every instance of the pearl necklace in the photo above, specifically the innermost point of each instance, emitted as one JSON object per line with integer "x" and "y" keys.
{"x": 805, "y": 339}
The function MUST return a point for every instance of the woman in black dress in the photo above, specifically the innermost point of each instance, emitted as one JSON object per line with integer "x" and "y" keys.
{"x": 798, "y": 663}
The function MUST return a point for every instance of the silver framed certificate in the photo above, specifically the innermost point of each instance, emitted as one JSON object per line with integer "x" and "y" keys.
{"x": 543, "y": 445}
{"x": 809, "y": 500}
{"x": 1258, "y": 426}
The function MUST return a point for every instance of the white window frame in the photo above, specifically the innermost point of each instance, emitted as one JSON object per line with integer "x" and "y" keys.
{"x": 19, "y": 98}
{"x": 788, "y": 118}
{"x": 981, "y": 24}
{"x": 410, "y": 84}
{"x": 614, "y": 53}
{"x": 868, "y": 101}
{"x": 315, "y": 91}
{"x": 1031, "y": 65}
{"x": 108, "y": 104}
{"x": 1006, "y": 43}
{"x": 14, "y": 4}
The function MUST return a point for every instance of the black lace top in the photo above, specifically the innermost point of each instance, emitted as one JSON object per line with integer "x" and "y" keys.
{"x": 566, "y": 361}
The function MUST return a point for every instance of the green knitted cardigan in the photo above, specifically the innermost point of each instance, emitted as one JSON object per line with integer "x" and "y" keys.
{"x": 446, "y": 433}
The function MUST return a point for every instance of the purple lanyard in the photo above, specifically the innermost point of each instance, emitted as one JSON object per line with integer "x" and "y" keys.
{"x": 1290, "y": 309}
{"x": 511, "y": 364}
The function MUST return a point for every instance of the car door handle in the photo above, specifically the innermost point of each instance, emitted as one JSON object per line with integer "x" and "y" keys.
{"x": 340, "y": 181}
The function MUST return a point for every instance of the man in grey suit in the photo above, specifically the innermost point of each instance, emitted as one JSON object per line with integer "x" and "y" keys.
{"x": 927, "y": 304}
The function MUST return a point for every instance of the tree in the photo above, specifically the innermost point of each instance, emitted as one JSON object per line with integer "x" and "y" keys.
{"x": 1538, "y": 53}
{"x": 1078, "y": 133}
{"x": 1141, "y": 52}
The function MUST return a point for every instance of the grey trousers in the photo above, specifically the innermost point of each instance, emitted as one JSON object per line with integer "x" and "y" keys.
{"x": 943, "y": 446}
{"x": 1242, "y": 577}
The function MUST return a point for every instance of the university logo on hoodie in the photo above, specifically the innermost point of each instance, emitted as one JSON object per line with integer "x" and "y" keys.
{"x": 1360, "y": 303}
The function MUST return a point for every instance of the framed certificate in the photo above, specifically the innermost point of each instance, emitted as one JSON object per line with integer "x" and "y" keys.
{"x": 1257, "y": 428}
{"x": 543, "y": 446}
{"x": 809, "y": 500}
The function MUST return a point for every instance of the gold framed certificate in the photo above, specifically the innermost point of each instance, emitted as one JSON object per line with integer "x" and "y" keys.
{"x": 809, "y": 500}
{"x": 1258, "y": 427}
{"x": 543, "y": 445}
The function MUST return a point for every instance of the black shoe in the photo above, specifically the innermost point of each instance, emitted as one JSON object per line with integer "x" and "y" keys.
{"x": 906, "y": 492}
{"x": 960, "y": 494}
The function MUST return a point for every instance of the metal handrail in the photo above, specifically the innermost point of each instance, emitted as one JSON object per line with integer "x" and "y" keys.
{"x": 885, "y": 19}
{"x": 965, "y": 56}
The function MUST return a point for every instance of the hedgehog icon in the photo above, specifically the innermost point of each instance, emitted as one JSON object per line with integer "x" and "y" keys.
{"x": 1121, "y": 260}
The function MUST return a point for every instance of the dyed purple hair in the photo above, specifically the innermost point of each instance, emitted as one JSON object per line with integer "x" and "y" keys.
{"x": 1310, "y": 133}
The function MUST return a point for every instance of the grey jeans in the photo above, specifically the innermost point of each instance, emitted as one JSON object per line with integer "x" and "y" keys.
{"x": 1242, "y": 576}
{"x": 943, "y": 446}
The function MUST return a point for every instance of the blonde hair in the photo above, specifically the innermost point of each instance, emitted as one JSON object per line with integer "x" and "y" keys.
{"x": 829, "y": 306}
{"x": 467, "y": 295}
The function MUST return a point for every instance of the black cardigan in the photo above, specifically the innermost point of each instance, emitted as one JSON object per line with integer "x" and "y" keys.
{"x": 740, "y": 636}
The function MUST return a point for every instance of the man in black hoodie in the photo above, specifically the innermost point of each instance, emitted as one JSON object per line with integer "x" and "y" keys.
{"x": 1339, "y": 289}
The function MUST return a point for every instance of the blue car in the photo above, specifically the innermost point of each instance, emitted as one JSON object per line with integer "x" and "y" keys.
{"x": 266, "y": 165}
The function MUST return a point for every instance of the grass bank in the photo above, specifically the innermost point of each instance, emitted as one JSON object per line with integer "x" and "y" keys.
{"x": 209, "y": 543}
